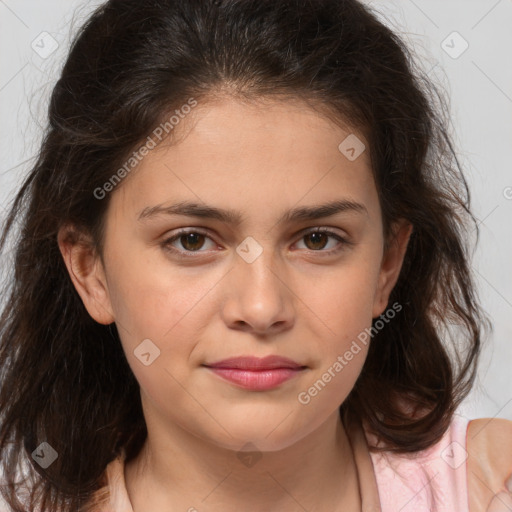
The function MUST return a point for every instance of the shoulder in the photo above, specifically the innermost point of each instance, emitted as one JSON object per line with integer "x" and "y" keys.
{"x": 489, "y": 442}
{"x": 489, "y": 463}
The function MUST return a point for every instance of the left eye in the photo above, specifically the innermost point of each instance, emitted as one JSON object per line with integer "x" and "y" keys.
{"x": 319, "y": 239}
{"x": 193, "y": 241}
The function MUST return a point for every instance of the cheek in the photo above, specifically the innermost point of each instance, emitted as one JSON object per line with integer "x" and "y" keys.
{"x": 339, "y": 309}
{"x": 153, "y": 300}
{"x": 341, "y": 300}
{"x": 330, "y": 385}
{"x": 339, "y": 355}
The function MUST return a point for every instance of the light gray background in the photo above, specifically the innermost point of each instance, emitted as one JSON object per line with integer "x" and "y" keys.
{"x": 479, "y": 82}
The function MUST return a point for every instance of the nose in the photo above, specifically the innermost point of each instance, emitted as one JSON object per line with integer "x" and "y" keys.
{"x": 257, "y": 298}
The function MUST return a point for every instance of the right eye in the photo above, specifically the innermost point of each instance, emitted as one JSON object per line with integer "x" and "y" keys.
{"x": 190, "y": 240}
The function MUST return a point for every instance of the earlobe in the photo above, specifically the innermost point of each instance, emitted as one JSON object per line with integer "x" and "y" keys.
{"x": 391, "y": 265}
{"x": 86, "y": 272}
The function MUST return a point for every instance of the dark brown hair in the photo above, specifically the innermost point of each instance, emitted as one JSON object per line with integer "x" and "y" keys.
{"x": 65, "y": 378}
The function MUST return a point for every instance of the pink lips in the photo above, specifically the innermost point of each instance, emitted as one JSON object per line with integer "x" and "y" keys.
{"x": 256, "y": 374}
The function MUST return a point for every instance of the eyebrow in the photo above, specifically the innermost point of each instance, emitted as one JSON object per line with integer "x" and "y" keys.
{"x": 235, "y": 218}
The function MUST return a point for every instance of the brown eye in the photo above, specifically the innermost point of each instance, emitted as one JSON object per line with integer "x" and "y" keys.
{"x": 192, "y": 241}
{"x": 318, "y": 240}
{"x": 187, "y": 242}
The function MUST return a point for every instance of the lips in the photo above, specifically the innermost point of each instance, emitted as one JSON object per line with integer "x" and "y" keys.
{"x": 256, "y": 374}
{"x": 256, "y": 363}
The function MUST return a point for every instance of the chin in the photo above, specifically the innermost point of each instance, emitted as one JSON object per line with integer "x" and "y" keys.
{"x": 264, "y": 437}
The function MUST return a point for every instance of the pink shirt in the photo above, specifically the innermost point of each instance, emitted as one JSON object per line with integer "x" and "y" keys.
{"x": 432, "y": 480}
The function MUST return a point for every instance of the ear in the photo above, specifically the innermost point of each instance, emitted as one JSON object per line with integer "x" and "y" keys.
{"x": 87, "y": 273}
{"x": 391, "y": 265}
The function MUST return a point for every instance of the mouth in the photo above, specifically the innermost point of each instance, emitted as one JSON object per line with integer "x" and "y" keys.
{"x": 256, "y": 374}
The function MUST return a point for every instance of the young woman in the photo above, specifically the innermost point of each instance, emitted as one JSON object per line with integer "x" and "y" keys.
{"x": 241, "y": 278}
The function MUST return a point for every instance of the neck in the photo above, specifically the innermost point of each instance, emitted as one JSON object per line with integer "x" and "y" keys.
{"x": 176, "y": 470}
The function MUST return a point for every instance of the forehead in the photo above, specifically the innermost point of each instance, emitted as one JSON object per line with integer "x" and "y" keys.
{"x": 229, "y": 125}
{"x": 248, "y": 153}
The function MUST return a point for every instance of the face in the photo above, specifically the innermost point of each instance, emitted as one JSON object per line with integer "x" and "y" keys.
{"x": 188, "y": 289}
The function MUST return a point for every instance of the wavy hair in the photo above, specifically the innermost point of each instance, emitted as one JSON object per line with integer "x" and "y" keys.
{"x": 65, "y": 378}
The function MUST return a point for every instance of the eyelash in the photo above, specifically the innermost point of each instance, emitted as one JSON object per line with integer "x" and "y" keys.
{"x": 166, "y": 244}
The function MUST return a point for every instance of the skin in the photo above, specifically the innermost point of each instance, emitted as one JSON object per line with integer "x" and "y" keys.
{"x": 299, "y": 299}
{"x": 489, "y": 464}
